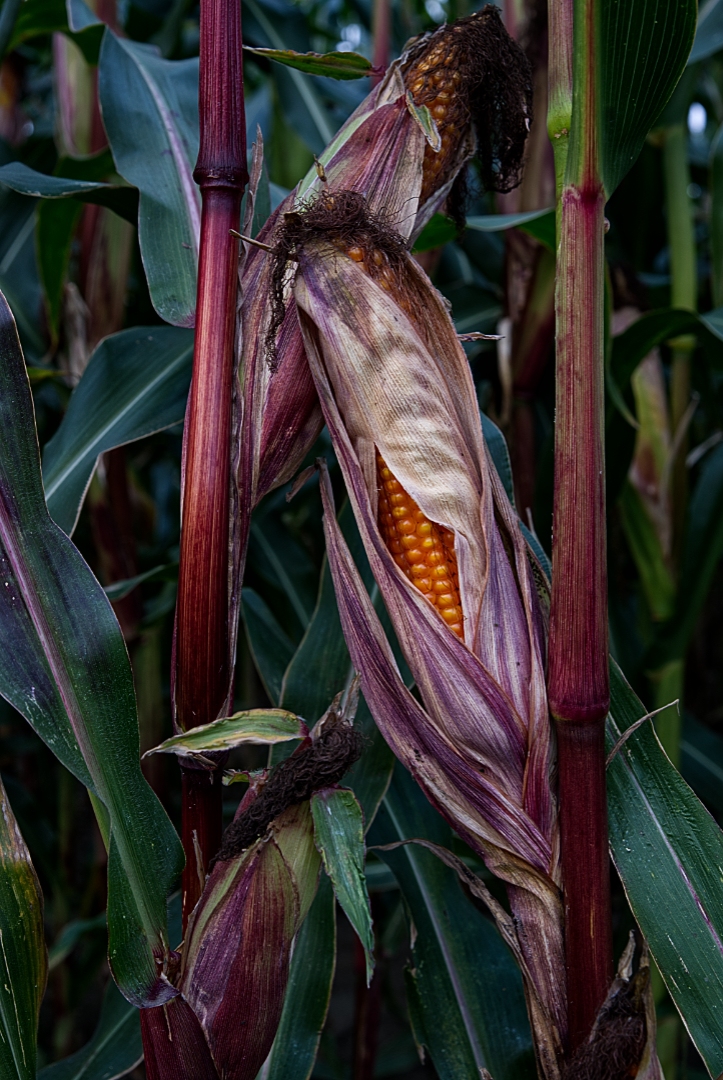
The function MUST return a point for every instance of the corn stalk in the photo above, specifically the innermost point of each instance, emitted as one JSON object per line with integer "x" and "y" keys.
{"x": 203, "y": 674}
{"x": 578, "y": 683}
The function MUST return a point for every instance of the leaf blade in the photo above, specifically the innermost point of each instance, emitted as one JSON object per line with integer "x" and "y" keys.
{"x": 23, "y": 956}
{"x": 136, "y": 383}
{"x": 150, "y": 112}
{"x": 669, "y": 854}
{"x": 339, "y": 837}
{"x": 65, "y": 668}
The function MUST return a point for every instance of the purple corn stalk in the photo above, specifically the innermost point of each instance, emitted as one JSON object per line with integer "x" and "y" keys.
{"x": 202, "y": 663}
{"x": 578, "y": 684}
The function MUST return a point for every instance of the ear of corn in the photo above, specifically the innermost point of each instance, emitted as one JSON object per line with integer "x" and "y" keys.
{"x": 422, "y": 550}
{"x": 400, "y": 405}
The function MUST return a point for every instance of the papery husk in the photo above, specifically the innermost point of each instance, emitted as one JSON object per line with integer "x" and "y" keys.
{"x": 378, "y": 152}
{"x": 239, "y": 939}
{"x": 481, "y": 745}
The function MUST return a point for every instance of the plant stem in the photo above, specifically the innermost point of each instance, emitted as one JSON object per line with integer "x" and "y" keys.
{"x": 578, "y": 680}
{"x": 203, "y": 674}
{"x": 381, "y": 37}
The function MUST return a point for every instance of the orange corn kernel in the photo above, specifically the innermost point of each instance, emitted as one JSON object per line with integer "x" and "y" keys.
{"x": 434, "y": 80}
{"x": 422, "y": 550}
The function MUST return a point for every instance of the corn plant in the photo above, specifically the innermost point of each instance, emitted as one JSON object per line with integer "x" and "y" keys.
{"x": 274, "y": 389}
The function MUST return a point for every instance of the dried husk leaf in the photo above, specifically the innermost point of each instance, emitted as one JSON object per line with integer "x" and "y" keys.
{"x": 480, "y": 746}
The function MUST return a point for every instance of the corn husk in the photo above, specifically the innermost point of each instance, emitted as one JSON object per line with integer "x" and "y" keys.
{"x": 393, "y": 379}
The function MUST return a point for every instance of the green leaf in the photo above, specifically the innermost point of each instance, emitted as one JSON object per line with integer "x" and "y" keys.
{"x": 497, "y": 446}
{"x": 321, "y": 667}
{"x": 136, "y": 382}
{"x": 701, "y": 761}
{"x": 465, "y": 991}
{"x": 38, "y": 17}
{"x": 270, "y": 646}
{"x": 308, "y": 993}
{"x": 702, "y": 550}
{"x": 709, "y": 34}
{"x": 668, "y": 852}
{"x": 19, "y": 280}
{"x": 56, "y": 224}
{"x": 262, "y": 726}
{"x": 426, "y": 121}
{"x": 335, "y": 65}
{"x": 23, "y": 958}
{"x": 70, "y": 935}
{"x": 150, "y": 113}
{"x": 26, "y": 181}
{"x": 339, "y": 837}
{"x": 438, "y": 231}
{"x": 715, "y": 186}
{"x": 114, "y": 1049}
{"x": 656, "y": 578}
{"x": 538, "y": 223}
{"x": 643, "y": 48}
{"x": 302, "y": 104}
{"x": 64, "y": 667}
{"x": 120, "y": 589}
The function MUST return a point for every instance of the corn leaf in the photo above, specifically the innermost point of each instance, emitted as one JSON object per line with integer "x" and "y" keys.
{"x": 113, "y": 1050}
{"x": 702, "y": 550}
{"x": 642, "y": 48}
{"x": 26, "y": 181}
{"x": 293, "y": 1054}
{"x": 539, "y": 223}
{"x": 136, "y": 383}
{"x": 335, "y": 65}
{"x": 339, "y": 836}
{"x": 47, "y": 16}
{"x": 709, "y": 34}
{"x": 701, "y": 761}
{"x": 464, "y": 990}
{"x": 24, "y": 959}
{"x": 302, "y": 104}
{"x": 258, "y": 726}
{"x": 321, "y": 668}
{"x": 270, "y": 646}
{"x": 65, "y": 668}
{"x": 669, "y": 854}
{"x": 150, "y": 113}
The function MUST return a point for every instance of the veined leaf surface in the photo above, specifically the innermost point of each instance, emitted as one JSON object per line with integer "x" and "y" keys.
{"x": 669, "y": 853}
{"x": 23, "y": 956}
{"x": 136, "y": 382}
{"x": 150, "y": 112}
{"x": 64, "y": 667}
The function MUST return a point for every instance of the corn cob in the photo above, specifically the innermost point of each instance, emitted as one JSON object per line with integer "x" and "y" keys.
{"x": 435, "y": 81}
{"x": 422, "y": 550}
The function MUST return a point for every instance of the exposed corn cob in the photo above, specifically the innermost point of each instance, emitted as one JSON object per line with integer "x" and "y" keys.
{"x": 422, "y": 550}
{"x": 435, "y": 81}
{"x": 470, "y": 74}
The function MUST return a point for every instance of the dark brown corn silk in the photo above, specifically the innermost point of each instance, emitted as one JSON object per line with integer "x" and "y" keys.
{"x": 618, "y": 1039}
{"x": 343, "y": 219}
{"x": 318, "y": 764}
{"x": 473, "y": 73}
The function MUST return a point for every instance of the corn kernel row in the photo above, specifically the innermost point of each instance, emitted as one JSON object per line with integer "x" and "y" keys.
{"x": 422, "y": 550}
